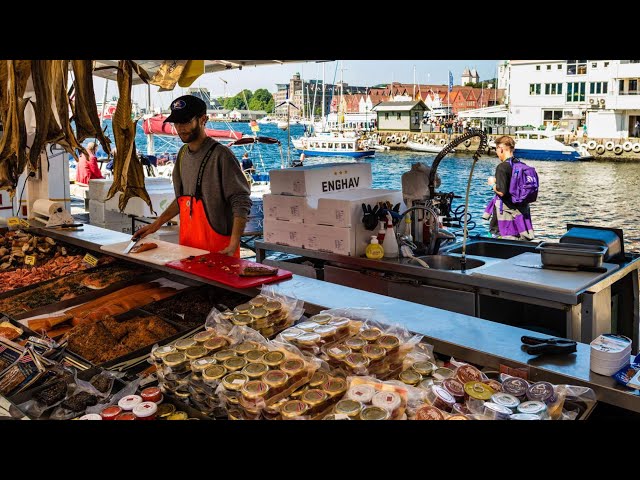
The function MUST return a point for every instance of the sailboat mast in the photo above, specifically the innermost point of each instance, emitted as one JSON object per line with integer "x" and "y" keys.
{"x": 150, "y": 145}
{"x": 323, "y": 90}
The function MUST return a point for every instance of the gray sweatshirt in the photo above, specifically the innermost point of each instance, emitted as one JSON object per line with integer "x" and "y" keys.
{"x": 225, "y": 190}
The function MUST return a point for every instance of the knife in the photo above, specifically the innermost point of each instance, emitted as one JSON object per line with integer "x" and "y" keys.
{"x": 130, "y": 246}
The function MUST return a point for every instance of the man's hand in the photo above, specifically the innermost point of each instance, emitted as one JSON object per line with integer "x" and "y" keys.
{"x": 146, "y": 230}
{"x": 231, "y": 249}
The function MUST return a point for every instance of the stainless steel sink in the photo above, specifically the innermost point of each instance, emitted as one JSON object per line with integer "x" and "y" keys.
{"x": 495, "y": 248}
{"x": 447, "y": 262}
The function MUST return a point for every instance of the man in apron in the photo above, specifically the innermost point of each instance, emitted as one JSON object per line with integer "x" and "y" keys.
{"x": 212, "y": 193}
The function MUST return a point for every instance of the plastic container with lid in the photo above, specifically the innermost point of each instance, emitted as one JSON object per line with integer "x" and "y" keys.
{"x": 215, "y": 344}
{"x": 184, "y": 343}
{"x": 424, "y": 368}
{"x": 223, "y": 355}
{"x": 291, "y": 333}
{"x": 429, "y": 412}
{"x": 177, "y": 362}
{"x": 373, "y": 352}
{"x": 478, "y": 391}
{"x": 506, "y": 400}
{"x": 370, "y": 334}
{"x": 533, "y": 406}
{"x": 357, "y": 362}
{"x": 201, "y": 364}
{"x": 242, "y": 319}
{"x": 410, "y": 377}
{"x": 151, "y": 394}
{"x": 390, "y": 401}
{"x": 338, "y": 352}
{"x": 361, "y": 393}
{"x": 515, "y": 386}
{"x": 307, "y": 339}
{"x": 442, "y": 373}
{"x": 541, "y": 391}
{"x": 390, "y": 343}
{"x": 127, "y": 403}
{"x": 110, "y": 413}
{"x": 195, "y": 352}
{"x": 342, "y": 325}
{"x": 525, "y": 416}
{"x": 205, "y": 335}
{"x": 159, "y": 353}
{"x": 355, "y": 343}
{"x": 145, "y": 411}
{"x": 469, "y": 373}
{"x": 258, "y": 301}
{"x": 454, "y": 387}
{"x": 246, "y": 346}
{"x": 322, "y": 318}
{"x": 273, "y": 306}
{"x": 328, "y": 333}
{"x": 439, "y": 397}
{"x": 90, "y": 416}
{"x": 497, "y": 412}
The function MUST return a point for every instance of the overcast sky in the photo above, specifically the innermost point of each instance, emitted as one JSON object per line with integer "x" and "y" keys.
{"x": 356, "y": 72}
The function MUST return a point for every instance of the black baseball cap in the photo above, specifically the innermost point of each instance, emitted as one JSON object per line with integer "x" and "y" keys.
{"x": 184, "y": 108}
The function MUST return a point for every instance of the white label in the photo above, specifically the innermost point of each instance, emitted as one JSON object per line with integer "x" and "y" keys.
{"x": 335, "y": 351}
{"x": 341, "y": 416}
{"x": 238, "y": 381}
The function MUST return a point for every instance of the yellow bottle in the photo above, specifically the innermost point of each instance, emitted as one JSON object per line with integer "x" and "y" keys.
{"x": 374, "y": 249}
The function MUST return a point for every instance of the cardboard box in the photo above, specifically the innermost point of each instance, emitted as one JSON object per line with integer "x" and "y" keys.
{"x": 284, "y": 207}
{"x": 283, "y": 232}
{"x": 344, "y": 209}
{"x": 320, "y": 179}
{"x": 330, "y": 239}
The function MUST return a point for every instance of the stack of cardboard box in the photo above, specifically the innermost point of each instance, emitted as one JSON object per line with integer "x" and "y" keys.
{"x": 319, "y": 207}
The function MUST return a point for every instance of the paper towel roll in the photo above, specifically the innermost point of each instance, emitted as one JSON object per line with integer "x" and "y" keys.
{"x": 47, "y": 207}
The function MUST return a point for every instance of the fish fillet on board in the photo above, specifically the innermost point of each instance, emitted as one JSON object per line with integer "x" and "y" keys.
{"x": 85, "y": 109}
{"x": 128, "y": 176}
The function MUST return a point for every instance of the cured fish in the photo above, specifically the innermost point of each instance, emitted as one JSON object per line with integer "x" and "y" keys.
{"x": 128, "y": 175}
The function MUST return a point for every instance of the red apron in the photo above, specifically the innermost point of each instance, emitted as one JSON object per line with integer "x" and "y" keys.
{"x": 195, "y": 230}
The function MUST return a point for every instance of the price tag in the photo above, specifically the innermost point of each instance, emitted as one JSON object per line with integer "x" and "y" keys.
{"x": 29, "y": 260}
{"x": 24, "y": 223}
{"x": 13, "y": 222}
{"x": 90, "y": 259}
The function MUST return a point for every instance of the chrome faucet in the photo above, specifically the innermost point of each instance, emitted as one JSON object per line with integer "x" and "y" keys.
{"x": 437, "y": 234}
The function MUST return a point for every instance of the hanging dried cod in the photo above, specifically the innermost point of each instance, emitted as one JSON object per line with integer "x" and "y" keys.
{"x": 128, "y": 176}
{"x": 13, "y": 144}
{"x": 85, "y": 109}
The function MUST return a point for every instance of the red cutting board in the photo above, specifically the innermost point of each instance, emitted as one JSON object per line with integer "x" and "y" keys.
{"x": 224, "y": 269}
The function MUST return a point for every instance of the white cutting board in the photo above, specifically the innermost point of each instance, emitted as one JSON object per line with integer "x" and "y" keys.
{"x": 166, "y": 251}
{"x": 514, "y": 272}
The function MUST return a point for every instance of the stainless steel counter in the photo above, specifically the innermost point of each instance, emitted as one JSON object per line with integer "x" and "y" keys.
{"x": 461, "y": 336}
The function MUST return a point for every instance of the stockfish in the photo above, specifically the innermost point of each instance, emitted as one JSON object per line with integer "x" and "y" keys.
{"x": 85, "y": 109}
{"x": 128, "y": 175}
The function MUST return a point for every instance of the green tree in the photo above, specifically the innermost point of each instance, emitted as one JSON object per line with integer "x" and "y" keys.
{"x": 270, "y": 106}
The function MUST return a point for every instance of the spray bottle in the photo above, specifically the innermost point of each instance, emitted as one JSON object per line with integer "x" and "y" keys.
{"x": 390, "y": 243}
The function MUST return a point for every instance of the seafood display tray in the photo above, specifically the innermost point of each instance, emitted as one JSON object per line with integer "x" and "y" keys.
{"x": 91, "y": 295}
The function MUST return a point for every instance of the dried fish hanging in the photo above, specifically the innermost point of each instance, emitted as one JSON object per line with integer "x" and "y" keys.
{"x": 128, "y": 175}
{"x": 13, "y": 144}
{"x": 85, "y": 109}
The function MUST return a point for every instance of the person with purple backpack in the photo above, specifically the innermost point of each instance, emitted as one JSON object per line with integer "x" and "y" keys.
{"x": 515, "y": 185}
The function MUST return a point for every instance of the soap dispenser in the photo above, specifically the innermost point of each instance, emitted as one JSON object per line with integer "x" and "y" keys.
{"x": 390, "y": 243}
{"x": 374, "y": 249}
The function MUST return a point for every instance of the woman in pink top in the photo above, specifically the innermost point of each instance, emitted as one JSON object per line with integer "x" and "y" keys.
{"x": 88, "y": 168}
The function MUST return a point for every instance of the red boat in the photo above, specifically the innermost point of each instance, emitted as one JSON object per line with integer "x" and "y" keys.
{"x": 155, "y": 126}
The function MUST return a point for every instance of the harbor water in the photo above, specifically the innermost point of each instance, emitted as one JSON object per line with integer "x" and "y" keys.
{"x": 595, "y": 193}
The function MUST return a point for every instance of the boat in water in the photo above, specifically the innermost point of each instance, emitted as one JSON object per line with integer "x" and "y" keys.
{"x": 155, "y": 126}
{"x": 545, "y": 145}
{"x": 429, "y": 146}
{"x": 333, "y": 145}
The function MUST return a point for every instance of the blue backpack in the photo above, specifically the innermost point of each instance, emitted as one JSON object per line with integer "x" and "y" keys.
{"x": 524, "y": 182}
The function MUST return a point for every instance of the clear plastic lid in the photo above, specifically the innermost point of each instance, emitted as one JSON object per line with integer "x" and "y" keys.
{"x": 130, "y": 401}
{"x": 361, "y": 393}
{"x": 387, "y": 400}
{"x": 145, "y": 409}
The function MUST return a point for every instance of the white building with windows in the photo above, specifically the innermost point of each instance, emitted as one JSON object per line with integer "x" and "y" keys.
{"x": 604, "y": 94}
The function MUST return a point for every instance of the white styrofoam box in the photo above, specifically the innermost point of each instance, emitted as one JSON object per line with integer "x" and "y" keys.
{"x": 283, "y": 232}
{"x": 330, "y": 239}
{"x": 138, "y": 207}
{"x": 98, "y": 188}
{"x": 80, "y": 191}
{"x": 320, "y": 179}
{"x": 124, "y": 227}
{"x": 167, "y": 233}
{"x": 284, "y": 207}
{"x": 344, "y": 209}
{"x": 99, "y": 212}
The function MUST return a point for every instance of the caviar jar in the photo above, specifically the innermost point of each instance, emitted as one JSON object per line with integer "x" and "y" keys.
{"x": 273, "y": 306}
{"x": 373, "y": 352}
{"x": 293, "y": 409}
{"x": 338, "y": 352}
{"x": 241, "y": 319}
{"x": 307, "y": 339}
{"x": 347, "y": 407}
{"x": 410, "y": 377}
{"x": 259, "y": 317}
{"x": 223, "y": 355}
{"x": 318, "y": 379}
{"x": 335, "y": 386}
{"x": 258, "y": 301}
{"x": 342, "y": 325}
{"x": 423, "y": 368}
{"x": 307, "y": 326}
{"x": 374, "y": 413}
{"x": 179, "y": 415}
{"x": 255, "y": 370}
{"x": 214, "y": 373}
{"x": 243, "y": 308}
{"x": 203, "y": 336}
{"x": 277, "y": 381}
{"x": 159, "y": 353}
{"x": 195, "y": 352}
{"x": 245, "y": 347}
{"x": 254, "y": 356}
{"x": 177, "y": 362}
{"x": 273, "y": 359}
{"x": 355, "y": 343}
{"x": 290, "y": 334}
{"x": 235, "y": 363}
{"x": 234, "y": 381}
{"x": 201, "y": 364}
{"x": 356, "y": 362}
{"x": 165, "y": 409}
{"x": 294, "y": 367}
{"x": 370, "y": 334}
{"x": 321, "y": 318}
{"x": 390, "y": 343}
{"x": 253, "y": 394}
{"x": 184, "y": 343}
{"x": 215, "y": 344}
{"x": 328, "y": 333}
{"x": 316, "y": 399}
